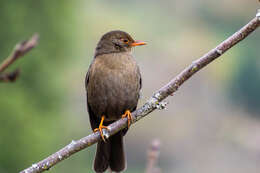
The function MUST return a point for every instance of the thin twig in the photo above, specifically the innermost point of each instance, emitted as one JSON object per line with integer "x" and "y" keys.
{"x": 152, "y": 157}
{"x": 19, "y": 50}
{"x": 153, "y": 103}
{"x": 10, "y": 76}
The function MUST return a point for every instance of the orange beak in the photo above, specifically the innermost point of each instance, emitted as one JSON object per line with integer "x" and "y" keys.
{"x": 138, "y": 43}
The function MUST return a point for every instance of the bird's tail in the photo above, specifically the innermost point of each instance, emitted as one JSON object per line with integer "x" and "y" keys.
{"x": 110, "y": 154}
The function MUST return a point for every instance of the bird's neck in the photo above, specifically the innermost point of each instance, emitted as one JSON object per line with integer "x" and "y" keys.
{"x": 116, "y": 60}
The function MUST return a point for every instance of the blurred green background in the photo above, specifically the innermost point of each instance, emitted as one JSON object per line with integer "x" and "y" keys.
{"x": 211, "y": 124}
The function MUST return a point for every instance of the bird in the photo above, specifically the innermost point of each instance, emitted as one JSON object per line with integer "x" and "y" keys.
{"x": 113, "y": 83}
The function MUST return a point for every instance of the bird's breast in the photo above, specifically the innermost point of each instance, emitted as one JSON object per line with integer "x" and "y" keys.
{"x": 114, "y": 85}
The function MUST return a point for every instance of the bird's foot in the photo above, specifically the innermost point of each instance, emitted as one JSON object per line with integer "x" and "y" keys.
{"x": 129, "y": 117}
{"x": 100, "y": 128}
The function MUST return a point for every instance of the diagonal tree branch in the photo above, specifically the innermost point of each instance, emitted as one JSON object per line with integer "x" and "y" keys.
{"x": 155, "y": 102}
{"x": 19, "y": 50}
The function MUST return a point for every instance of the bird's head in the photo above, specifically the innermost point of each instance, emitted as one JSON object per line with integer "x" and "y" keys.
{"x": 115, "y": 42}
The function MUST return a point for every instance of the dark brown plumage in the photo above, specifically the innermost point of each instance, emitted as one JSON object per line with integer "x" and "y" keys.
{"x": 113, "y": 83}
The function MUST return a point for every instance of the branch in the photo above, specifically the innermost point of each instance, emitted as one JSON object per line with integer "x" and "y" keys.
{"x": 20, "y": 50}
{"x": 155, "y": 102}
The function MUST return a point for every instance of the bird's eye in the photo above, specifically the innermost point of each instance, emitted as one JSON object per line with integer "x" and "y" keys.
{"x": 125, "y": 41}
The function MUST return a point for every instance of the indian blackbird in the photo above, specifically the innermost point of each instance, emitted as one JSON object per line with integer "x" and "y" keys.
{"x": 113, "y": 84}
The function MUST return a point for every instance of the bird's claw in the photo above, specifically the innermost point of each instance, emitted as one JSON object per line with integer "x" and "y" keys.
{"x": 100, "y": 129}
{"x": 129, "y": 117}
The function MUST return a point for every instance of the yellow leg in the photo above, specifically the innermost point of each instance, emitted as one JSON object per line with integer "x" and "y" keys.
{"x": 129, "y": 117}
{"x": 101, "y": 127}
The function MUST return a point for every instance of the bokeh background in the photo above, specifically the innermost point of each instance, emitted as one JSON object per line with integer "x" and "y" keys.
{"x": 211, "y": 124}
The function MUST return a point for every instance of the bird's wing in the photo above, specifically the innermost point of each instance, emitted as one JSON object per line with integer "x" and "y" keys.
{"x": 140, "y": 83}
{"x": 94, "y": 121}
{"x": 87, "y": 76}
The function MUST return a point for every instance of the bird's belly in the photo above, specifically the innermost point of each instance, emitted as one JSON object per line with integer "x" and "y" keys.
{"x": 113, "y": 93}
